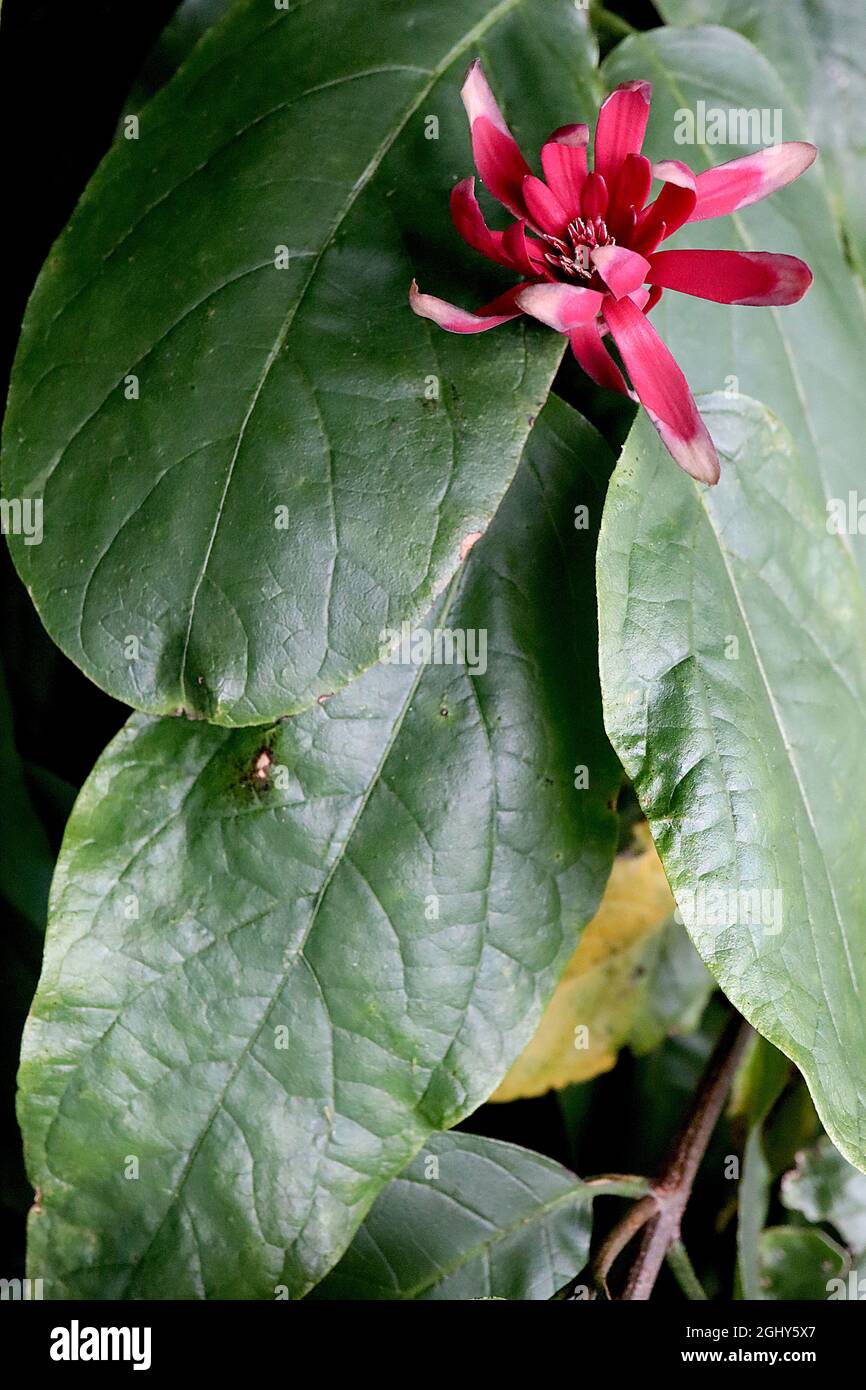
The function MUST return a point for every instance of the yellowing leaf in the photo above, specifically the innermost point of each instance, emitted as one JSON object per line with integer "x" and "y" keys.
{"x": 633, "y": 977}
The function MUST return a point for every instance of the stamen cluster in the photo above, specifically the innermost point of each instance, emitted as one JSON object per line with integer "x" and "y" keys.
{"x": 572, "y": 257}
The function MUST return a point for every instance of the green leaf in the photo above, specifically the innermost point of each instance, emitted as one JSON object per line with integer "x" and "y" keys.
{"x": 824, "y": 1187}
{"x": 817, "y": 47}
{"x": 279, "y": 958}
{"x": 799, "y": 1263}
{"x": 733, "y": 661}
{"x": 469, "y": 1218}
{"x": 305, "y": 458}
{"x": 806, "y": 362}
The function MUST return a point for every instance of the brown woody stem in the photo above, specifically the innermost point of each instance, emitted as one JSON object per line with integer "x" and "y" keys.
{"x": 673, "y": 1187}
{"x": 659, "y": 1213}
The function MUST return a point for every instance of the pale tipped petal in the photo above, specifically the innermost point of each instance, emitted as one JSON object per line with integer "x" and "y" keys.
{"x": 479, "y": 100}
{"x": 496, "y": 152}
{"x": 743, "y": 181}
{"x": 675, "y": 172}
{"x": 457, "y": 320}
{"x": 663, "y": 390}
{"x": 562, "y": 307}
{"x": 621, "y": 270}
{"x": 732, "y": 277}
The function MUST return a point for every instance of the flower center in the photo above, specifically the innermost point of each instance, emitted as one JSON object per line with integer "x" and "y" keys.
{"x": 571, "y": 256}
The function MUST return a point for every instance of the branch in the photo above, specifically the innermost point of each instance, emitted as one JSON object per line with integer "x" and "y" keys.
{"x": 615, "y": 1242}
{"x": 673, "y": 1187}
{"x": 658, "y": 1214}
{"x": 608, "y": 1185}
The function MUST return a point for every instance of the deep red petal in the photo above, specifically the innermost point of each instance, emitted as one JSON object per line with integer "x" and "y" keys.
{"x": 732, "y": 277}
{"x": 500, "y": 164}
{"x": 562, "y": 307}
{"x": 525, "y": 255}
{"x": 544, "y": 208}
{"x": 646, "y": 298}
{"x": 596, "y": 361}
{"x": 663, "y": 390}
{"x": 630, "y": 192}
{"x": 469, "y": 221}
{"x": 622, "y": 122}
{"x": 671, "y": 209}
{"x": 593, "y": 197}
{"x": 457, "y": 320}
{"x": 563, "y": 159}
{"x": 743, "y": 181}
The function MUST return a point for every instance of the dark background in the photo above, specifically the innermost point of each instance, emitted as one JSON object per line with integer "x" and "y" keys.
{"x": 65, "y": 71}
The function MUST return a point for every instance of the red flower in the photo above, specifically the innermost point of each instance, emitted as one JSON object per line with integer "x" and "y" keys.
{"x": 586, "y": 243}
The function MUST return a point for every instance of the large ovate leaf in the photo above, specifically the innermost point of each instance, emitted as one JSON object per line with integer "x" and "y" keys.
{"x": 733, "y": 660}
{"x": 807, "y": 361}
{"x": 469, "y": 1218}
{"x": 634, "y": 977}
{"x": 253, "y": 458}
{"x": 817, "y": 47}
{"x": 278, "y": 958}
